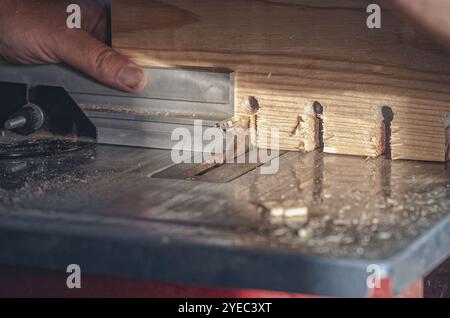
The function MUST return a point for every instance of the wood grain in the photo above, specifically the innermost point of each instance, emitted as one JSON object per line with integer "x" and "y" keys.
{"x": 290, "y": 54}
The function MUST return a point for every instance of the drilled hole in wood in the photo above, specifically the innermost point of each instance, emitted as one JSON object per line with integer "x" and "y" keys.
{"x": 318, "y": 110}
{"x": 254, "y": 104}
{"x": 388, "y": 117}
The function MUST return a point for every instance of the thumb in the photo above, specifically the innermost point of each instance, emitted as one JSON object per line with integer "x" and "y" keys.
{"x": 82, "y": 51}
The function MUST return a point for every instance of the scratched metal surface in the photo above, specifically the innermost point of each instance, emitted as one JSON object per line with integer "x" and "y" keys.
{"x": 360, "y": 211}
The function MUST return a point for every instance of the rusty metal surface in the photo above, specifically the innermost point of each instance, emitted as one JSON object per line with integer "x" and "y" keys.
{"x": 104, "y": 207}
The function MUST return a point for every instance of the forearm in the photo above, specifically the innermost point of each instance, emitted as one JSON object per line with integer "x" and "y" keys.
{"x": 433, "y": 15}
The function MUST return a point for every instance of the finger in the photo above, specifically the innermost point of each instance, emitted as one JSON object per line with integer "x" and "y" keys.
{"x": 84, "y": 52}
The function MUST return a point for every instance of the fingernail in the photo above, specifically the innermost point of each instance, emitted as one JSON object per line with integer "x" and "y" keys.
{"x": 131, "y": 76}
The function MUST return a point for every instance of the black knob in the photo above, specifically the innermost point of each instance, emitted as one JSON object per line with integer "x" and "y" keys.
{"x": 29, "y": 119}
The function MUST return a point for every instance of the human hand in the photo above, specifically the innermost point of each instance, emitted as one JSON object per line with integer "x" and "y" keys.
{"x": 35, "y": 32}
{"x": 433, "y": 15}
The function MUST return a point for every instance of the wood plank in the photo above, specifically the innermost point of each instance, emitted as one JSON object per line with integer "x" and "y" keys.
{"x": 290, "y": 54}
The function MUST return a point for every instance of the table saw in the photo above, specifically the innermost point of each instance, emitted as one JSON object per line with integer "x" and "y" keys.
{"x": 120, "y": 208}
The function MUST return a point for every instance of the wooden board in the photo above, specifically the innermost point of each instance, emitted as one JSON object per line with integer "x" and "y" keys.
{"x": 290, "y": 54}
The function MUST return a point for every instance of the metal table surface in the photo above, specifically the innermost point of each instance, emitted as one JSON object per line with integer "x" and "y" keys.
{"x": 103, "y": 209}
